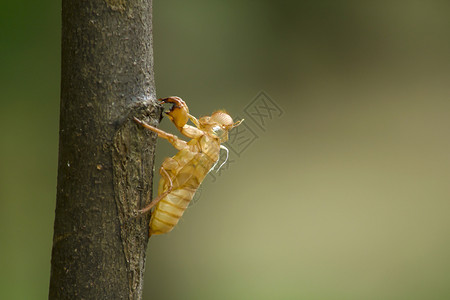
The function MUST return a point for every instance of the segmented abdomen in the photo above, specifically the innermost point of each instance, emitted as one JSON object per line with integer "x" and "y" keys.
{"x": 169, "y": 210}
{"x": 185, "y": 181}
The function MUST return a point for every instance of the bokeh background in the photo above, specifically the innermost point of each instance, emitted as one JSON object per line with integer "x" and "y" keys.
{"x": 346, "y": 195}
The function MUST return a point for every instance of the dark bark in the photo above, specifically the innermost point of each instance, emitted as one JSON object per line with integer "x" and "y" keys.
{"x": 105, "y": 159}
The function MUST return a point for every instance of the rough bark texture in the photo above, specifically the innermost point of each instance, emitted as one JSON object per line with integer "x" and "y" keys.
{"x": 105, "y": 160}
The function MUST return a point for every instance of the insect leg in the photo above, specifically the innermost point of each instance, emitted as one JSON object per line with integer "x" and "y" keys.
{"x": 173, "y": 139}
{"x": 155, "y": 201}
{"x": 179, "y": 115}
{"x": 194, "y": 120}
{"x": 191, "y": 132}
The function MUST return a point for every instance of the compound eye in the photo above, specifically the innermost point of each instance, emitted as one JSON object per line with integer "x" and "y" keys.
{"x": 217, "y": 131}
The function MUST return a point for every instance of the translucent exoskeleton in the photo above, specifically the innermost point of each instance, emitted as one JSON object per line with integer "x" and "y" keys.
{"x": 182, "y": 174}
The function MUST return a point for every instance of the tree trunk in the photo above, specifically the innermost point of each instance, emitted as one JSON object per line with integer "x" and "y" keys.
{"x": 105, "y": 159}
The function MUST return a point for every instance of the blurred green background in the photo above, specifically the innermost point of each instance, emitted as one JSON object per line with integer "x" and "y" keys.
{"x": 346, "y": 195}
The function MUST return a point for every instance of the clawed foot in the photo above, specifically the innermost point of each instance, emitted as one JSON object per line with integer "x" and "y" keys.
{"x": 179, "y": 113}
